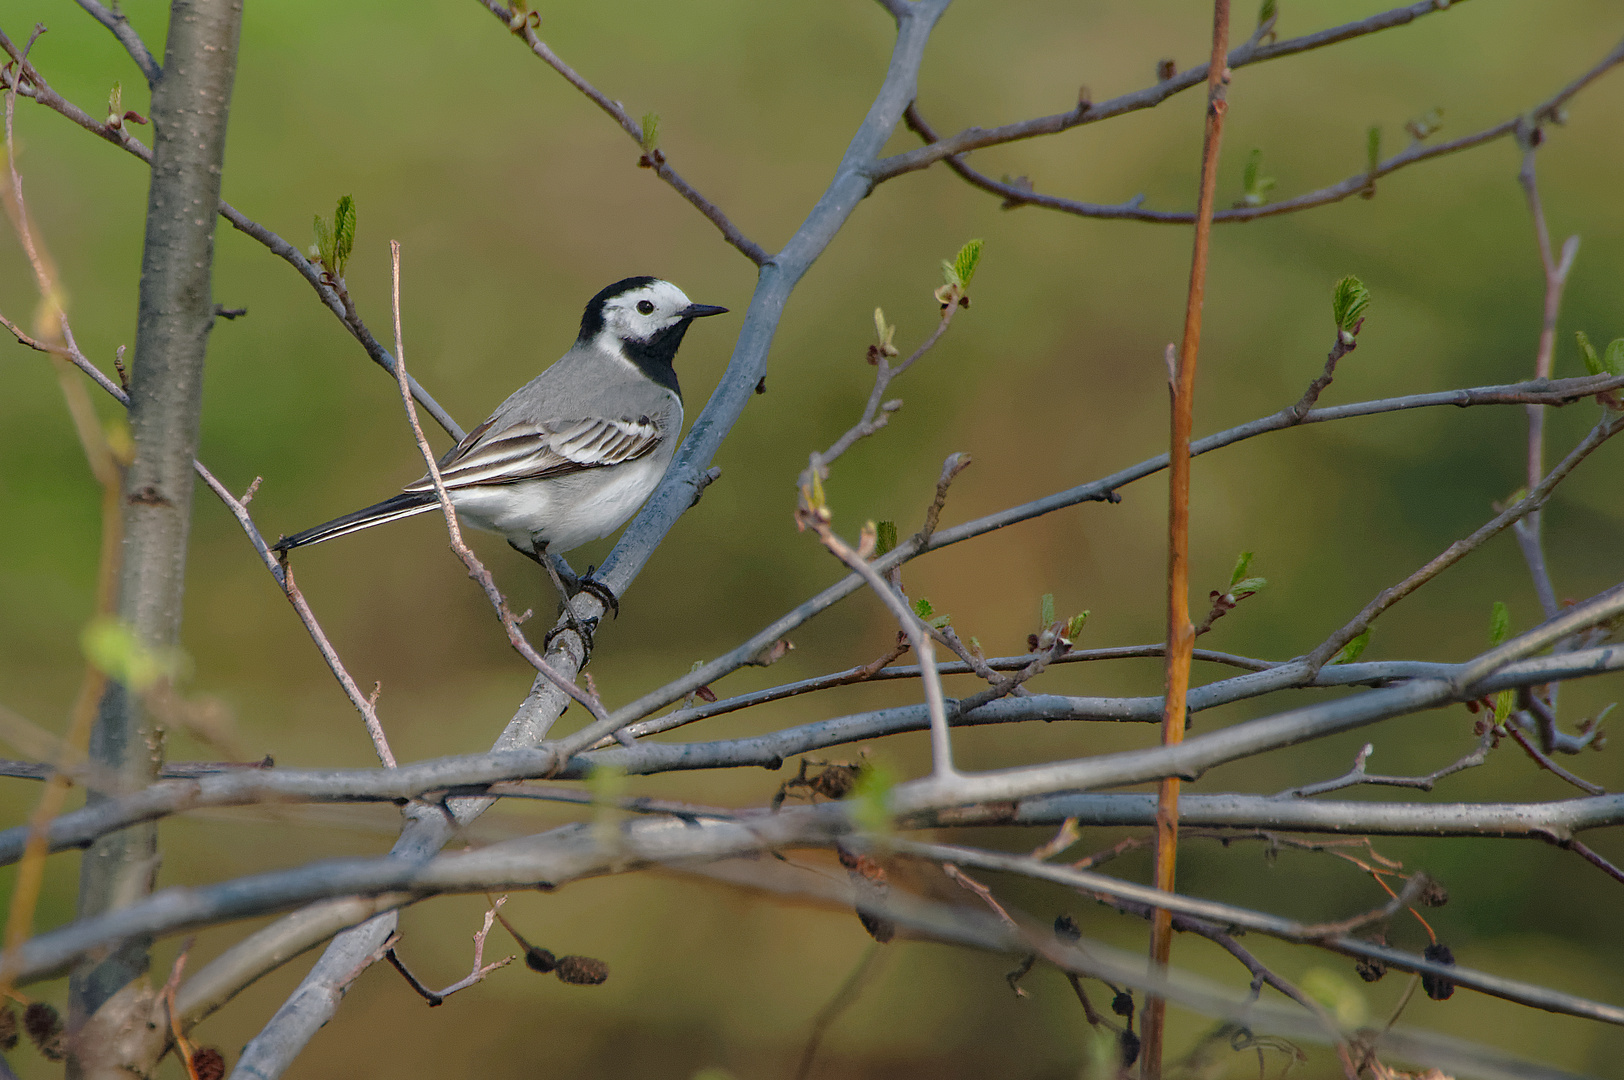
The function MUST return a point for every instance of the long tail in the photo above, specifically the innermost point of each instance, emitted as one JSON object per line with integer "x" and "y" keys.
{"x": 401, "y": 506}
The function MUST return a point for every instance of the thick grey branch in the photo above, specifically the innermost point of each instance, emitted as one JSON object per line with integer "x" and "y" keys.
{"x": 190, "y": 106}
{"x": 241, "y": 787}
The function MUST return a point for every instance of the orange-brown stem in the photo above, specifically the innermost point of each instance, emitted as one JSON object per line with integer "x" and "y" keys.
{"x": 1180, "y": 632}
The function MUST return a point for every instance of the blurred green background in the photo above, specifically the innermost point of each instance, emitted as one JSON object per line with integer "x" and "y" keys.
{"x": 516, "y": 200}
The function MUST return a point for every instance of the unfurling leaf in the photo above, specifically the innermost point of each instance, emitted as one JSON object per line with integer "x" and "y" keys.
{"x": 1255, "y": 187}
{"x": 1349, "y": 300}
{"x": 1074, "y": 627}
{"x": 324, "y": 242}
{"x": 1242, "y": 565}
{"x": 964, "y": 263}
{"x": 1373, "y": 150}
{"x": 1353, "y": 649}
{"x": 1499, "y": 623}
{"x": 1612, "y": 361}
{"x": 1046, "y": 612}
{"x": 115, "y": 106}
{"x": 1240, "y": 590}
{"x": 885, "y": 537}
{"x": 1588, "y": 351}
{"x": 883, "y": 334}
{"x": 343, "y": 233}
{"x": 923, "y": 609}
{"x": 651, "y": 133}
{"x": 1266, "y": 13}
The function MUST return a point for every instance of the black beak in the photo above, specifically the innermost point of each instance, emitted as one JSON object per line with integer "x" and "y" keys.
{"x": 699, "y": 311}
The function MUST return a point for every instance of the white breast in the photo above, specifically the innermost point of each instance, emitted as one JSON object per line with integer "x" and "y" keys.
{"x": 565, "y": 512}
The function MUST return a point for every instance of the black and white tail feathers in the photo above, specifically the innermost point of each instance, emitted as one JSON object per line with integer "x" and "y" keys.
{"x": 401, "y": 506}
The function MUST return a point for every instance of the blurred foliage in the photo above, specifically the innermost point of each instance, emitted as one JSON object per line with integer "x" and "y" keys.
{"x": 516, "y": 200}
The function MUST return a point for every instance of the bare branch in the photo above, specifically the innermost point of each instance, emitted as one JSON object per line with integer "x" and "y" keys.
{"x": 1015, "y": 195}
{"x": 29, "y": 83}
{"x": 518, "y": 21}
{"x": 115, "y": 21}
{"x": 1251, "y": 52}
{"x": 1535, "y": 499}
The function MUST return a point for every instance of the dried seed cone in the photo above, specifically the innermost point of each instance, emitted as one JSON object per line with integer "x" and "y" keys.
{"x": 209, "y": 1064}
{"x": 582, "y": 970}
{"x": 538, "y": 959}
{"x": 44, "y": 1027}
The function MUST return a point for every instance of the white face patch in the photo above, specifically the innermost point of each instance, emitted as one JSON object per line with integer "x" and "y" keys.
{"x": 641, "y": 313}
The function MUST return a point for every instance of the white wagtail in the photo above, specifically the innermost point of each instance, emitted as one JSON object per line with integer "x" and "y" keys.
{"x": 574, "y": 452}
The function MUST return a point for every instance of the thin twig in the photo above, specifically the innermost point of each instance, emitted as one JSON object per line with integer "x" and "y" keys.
{"x": 476, "y": 569}
{"x": 1015, "y": 195}
{"x": 115, "y": 21}
{"x": 843, "y": 999}
{"x": 1180, "y": 632}
{"x": 481, "y": 969}
{"x": 1545, "y": 762}
{"x": 28, "y": 82}
{"x": 365, "y": 705}
{"x": 1609, "y": 426}
{"x": 1610, "y": 869}
{"x": 1357, "y": 775}
{"x": 653, "y": 158}
{"x": 941, "y": 746}
{"x": 1556, "y": 272}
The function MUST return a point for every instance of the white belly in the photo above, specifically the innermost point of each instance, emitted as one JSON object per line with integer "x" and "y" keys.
{"x": 566, "y": 512}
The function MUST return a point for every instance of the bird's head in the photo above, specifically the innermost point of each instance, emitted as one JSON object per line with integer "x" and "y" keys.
{"x": 641, "y": 315}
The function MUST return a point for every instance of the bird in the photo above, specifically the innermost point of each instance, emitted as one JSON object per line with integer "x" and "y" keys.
{"x": 572, "y": 454}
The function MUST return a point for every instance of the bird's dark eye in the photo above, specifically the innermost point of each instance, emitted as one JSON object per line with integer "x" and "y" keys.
{"x": 645, "y": 307}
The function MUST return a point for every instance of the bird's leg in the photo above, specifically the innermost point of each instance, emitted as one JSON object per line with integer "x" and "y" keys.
{"x": 539, "y": 554}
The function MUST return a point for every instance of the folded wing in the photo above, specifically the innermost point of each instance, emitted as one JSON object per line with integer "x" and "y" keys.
{"x": 524, "y": 452}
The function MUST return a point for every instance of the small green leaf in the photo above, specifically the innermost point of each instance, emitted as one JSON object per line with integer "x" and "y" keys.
{"x": 885, "y": 538}
{"x": 1499, "y": 623}
{"x": 1242, "y": 565}
{"x": 1504, "y": 702}
{"x": 1353, "y": 649}
{"x": 1588, "y": 351}
{"x": 871, "y": 797}
{"x": 1046, "y": 612}
{"x": 1612, "y": 361}
{"x": 1373, "y": 150}
{"x": 1245, "y": 587}
{"x": 923, "y": 609}
{"x": 115, "y": 102}
{"x": 1349, "y": 300}
{"x": 343, "y": 233}
{"x": 324, "y": 242}
{"x": 114, "y": 649}
{"x": 820, "y": 504}
{"x": 1255, "y": 187}
{"x": 940, "y": 621}
{"x": 1074, "y": 626}
{"x": 651, "y": 133}
{"x": 1265, "y": 12}
{"x": 964, "y": 263}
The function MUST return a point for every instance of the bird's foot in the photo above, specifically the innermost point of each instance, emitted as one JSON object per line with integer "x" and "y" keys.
{"x": 582, "y": 629}
{"x": 589, "y": 584}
